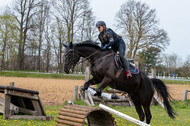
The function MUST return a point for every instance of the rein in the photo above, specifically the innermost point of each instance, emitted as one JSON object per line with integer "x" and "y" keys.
{"x": 89, "y": 55}
{"x": 104, "y": 57}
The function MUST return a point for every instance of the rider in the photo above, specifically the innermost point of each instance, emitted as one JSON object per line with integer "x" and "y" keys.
{"x": 109, "y": 38}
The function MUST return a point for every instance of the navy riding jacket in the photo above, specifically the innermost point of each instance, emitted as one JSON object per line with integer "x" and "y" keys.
{"x": 109, "y": 38}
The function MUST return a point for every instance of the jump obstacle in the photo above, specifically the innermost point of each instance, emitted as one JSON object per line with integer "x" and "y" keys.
{"x": 77, "y": 115}
{"x": 19, "y": 103}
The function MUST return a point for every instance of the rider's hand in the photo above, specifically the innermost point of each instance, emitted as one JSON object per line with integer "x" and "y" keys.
{"x": 103, "y": 47}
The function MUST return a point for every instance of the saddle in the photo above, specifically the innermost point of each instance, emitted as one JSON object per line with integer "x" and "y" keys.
{"x": 119, "y": 65}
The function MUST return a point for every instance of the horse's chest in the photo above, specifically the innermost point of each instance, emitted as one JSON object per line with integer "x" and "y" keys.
{"x": 96, "y": 72}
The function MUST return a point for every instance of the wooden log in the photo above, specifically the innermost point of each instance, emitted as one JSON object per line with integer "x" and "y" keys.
{"x": 68, "y": 122}
{"x": 71, "y": 114}
{"x": 12, "y": 106}
{"x": 110, "y": 110}
{"x": 28, "y": 117}
{"x": 76, "y": 108}
{"x": 22, "y": 94}
{"x": 37, "y": 108}
{"x": 72, "y": 111}
{"x": 70, "y": 119}
{"x": 7, "y": 105}
{"x": 62, "y": 124}
{"x": 18, "y": 89}
{"x": 27, "y": 111}
{"x": 82, "y": 98}
{"x": 40, "y": 104}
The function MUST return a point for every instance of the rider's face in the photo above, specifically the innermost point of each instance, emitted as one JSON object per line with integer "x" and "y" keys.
{"x": 100, "y": 29}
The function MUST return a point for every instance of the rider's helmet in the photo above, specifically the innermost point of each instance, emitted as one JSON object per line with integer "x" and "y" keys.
{"x": 100, "y": 23}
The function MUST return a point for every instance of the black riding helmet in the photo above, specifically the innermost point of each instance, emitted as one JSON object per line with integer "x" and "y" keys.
{"x": 100, "y": 23}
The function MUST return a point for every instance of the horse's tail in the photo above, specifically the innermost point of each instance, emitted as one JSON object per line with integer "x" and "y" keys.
{"x": 162, "y": 91}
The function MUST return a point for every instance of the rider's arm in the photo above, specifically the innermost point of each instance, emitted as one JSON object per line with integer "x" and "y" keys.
{"x": 110, "y": 37}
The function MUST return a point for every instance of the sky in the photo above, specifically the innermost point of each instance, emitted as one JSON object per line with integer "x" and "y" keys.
{"x": 174, "y": 17}
{"x": 172, "y": 14}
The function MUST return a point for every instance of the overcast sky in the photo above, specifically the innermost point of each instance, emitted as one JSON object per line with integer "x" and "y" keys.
{"x": 174, "y": 16}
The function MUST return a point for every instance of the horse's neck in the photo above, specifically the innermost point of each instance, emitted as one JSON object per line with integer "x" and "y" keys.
{"x": 92, "y": 53}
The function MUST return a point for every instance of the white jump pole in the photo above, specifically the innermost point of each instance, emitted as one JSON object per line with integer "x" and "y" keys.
{"x": 131, "y": 119}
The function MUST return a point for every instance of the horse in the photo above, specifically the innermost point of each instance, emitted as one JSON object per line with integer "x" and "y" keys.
{"x": 103, "y": 69}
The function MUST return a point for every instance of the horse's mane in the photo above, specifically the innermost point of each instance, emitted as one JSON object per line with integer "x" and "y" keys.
{"x": 88, "y": 43}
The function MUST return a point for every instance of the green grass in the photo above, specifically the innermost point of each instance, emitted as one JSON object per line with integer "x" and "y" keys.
{"x": 175, "y": 82}
{"x": 159, "y": 116}
{"x": 39, "y": 75}
{"x": 50, "y": 111}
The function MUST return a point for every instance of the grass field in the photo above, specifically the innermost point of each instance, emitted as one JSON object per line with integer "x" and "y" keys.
{"x": 159, "y": 116}
{"x": 39, "y": 75}
{"x": 63, "y": 76}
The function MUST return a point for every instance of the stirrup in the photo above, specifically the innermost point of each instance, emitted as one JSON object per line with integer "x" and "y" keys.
{"x": 128, "y": 74}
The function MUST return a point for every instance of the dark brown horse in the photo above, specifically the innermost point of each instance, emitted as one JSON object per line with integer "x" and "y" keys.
{"x": 103, "y": 69}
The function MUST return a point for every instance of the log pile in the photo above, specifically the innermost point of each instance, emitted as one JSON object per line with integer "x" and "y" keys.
{"x": 77, "y": 115}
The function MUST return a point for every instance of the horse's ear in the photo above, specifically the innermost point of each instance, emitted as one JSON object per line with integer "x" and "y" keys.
{"x": 66, "y": 46}
{"x": 71, "y": 45}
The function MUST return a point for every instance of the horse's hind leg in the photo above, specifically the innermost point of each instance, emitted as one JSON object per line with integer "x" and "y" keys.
{"x": 147, "y": 113}
{"x": 146, "y": 106}
{"x": 137, "y": 103}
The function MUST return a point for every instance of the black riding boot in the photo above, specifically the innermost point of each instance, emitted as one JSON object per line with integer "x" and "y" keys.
{"x": 126, "y": 67}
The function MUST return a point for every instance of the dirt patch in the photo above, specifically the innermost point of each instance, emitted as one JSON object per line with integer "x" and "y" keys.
{"x": 57, "y": 91}
{"x": 177, "y": 91}
{"x": 52, "y": 91}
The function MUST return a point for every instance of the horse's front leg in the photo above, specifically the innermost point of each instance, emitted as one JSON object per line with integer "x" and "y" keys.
{"x": 105, "y": 82}
{"x": 90, "y": 82}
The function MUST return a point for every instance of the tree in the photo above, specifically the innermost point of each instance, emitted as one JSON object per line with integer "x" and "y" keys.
{"x": 69, "y": 12}
{"x": 148, "y": 58}
{"x": 140, "y": 27}
{"x": 184, "y": 70}
{"x": 172, "y": 62}
{"x": 8, "y": 37}
{"x": 24, "y": 12}
{"x": 58, "y": 37}
{"x": 87, "y": 29}
{"x": 40, "y": 22}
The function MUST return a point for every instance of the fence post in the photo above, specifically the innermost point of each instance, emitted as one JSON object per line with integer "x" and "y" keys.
{"x": 87, "y": 74}
{"x": 153, "y": 73}
{"x": 185, "y": 95}
{"x": 12, "y": 84}
{"x": 76, "y": 93}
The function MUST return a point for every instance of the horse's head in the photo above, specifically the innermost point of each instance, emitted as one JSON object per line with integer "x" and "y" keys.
{"x": 71, "y": 58}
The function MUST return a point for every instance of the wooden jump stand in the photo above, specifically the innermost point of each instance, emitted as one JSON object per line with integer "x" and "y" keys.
{"x": 19, "y": 103}
{"x": 185, "y": 95}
